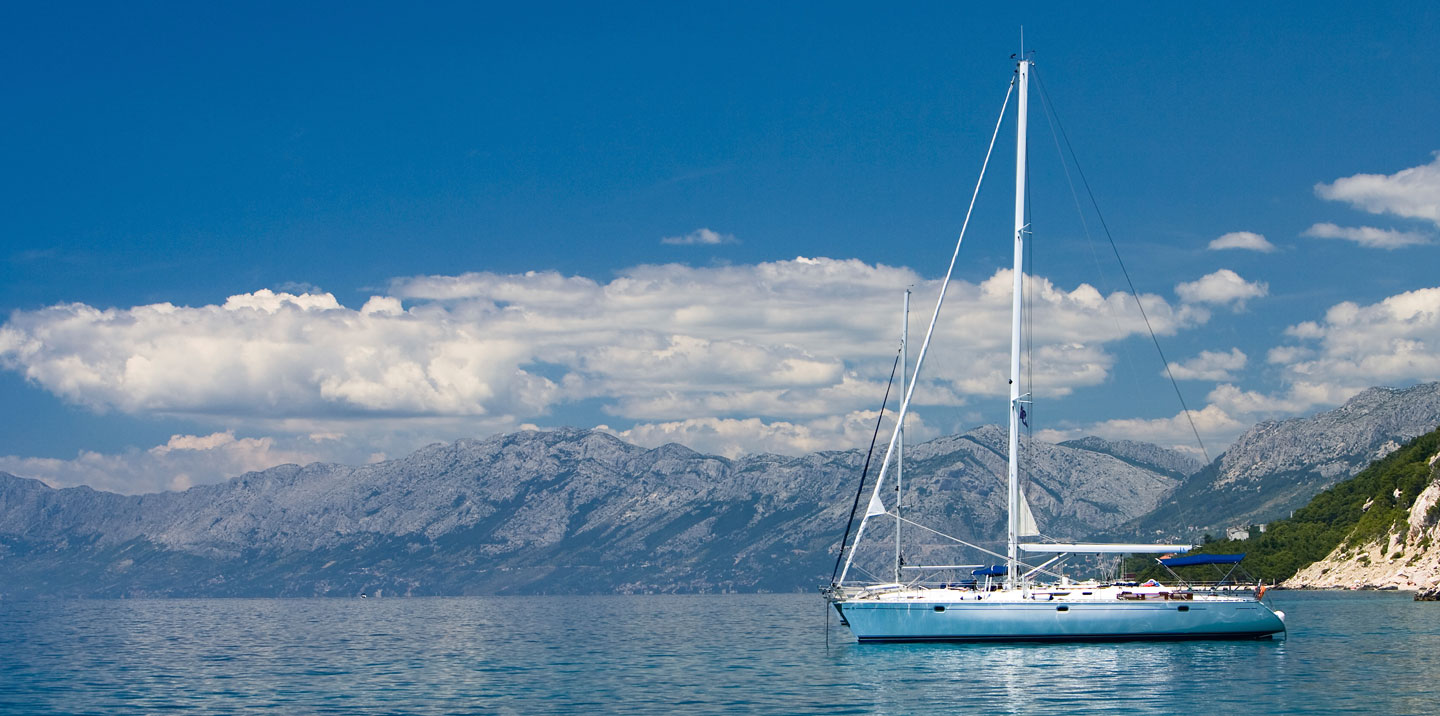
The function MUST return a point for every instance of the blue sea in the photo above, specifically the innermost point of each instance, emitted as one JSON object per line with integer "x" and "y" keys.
{"x": 1366, "y": 652}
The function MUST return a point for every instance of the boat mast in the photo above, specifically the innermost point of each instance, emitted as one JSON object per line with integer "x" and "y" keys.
{"x": 900, "y": 446}
{"x": 1022, "y": 71}
{"x": 877, "y": 507}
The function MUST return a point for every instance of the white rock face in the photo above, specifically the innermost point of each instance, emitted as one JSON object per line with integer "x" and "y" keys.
{"x": 1408, "y": 558}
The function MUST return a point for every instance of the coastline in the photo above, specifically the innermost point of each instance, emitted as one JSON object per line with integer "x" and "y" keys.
{"x": 1407, "y": 558}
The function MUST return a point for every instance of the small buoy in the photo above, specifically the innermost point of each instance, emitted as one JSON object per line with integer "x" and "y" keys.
{"x": 1280, "y": 614}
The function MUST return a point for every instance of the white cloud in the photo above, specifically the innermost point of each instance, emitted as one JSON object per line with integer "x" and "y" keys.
{"x": 785, "y": 356}
{"x": 1395, "y": 341}
{"x": 1210, "y": 365}
{"x": 1299, "y": 397}
{"x": 1224, "y": 288}
{"x": 1216, "y": 427}
{"x": 784, "y": 340}
{"x": 701, "y": 237}
{"x": 733, "y": 437}
{"x": 183, "y": 461}
{"x": 1368, "y": 236}
{"x": 1247, "y": 240}
{"x": 1228, "y": 412}
{"x": 267, "y": 354}
{"x": 1282, "y": 355}
{"x": 1354, "y": 347}
{"x": 775, "y": 370}
{"x": 1412, "y": 193}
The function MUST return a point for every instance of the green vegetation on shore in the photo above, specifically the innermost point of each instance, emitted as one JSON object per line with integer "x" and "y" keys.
{"x": 1355, "y": 512}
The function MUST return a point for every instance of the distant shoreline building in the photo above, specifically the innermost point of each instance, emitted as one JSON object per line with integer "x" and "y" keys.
{"x": 1239, "y": 533}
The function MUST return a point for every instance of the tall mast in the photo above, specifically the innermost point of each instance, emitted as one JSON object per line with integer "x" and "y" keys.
{"x": 900, "y": 445}
{"x": 1022, "y": 91}
{"x": 876, "y": 506}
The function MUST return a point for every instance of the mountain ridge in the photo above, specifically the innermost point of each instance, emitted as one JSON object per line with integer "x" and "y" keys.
{"x": 575, "y": 510}
{"x": 536, "y": 511}
{"x": 1275, "y": 467}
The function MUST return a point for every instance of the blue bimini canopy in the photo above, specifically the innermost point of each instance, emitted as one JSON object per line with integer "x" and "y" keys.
{"x": 1197, "y": 559}
{"x": 994, "y": 571}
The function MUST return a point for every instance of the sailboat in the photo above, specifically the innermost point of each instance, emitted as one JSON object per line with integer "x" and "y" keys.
{"x": 1020, "y": 600}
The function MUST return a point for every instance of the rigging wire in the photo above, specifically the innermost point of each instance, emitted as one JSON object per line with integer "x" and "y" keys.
{"x": 934, "y": 317}
{"x": 861, "y": 489}
{"x": 1028, "y": 279}
{"x": 1085, "y": 228}
{"x": 1124, "y": 271}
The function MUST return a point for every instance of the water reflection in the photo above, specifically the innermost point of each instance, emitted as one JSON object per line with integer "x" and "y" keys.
{"x": 1048, "y": 678}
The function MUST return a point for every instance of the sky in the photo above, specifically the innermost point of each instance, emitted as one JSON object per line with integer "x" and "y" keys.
{"x": 239, "y": 235}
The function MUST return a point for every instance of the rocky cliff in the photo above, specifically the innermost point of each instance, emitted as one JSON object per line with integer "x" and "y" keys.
{"x": 1151, "y": 457}
{"x": 1405, "y": 556}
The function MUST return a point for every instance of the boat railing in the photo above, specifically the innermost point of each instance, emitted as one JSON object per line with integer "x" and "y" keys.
{"x": 1229, "y": 586}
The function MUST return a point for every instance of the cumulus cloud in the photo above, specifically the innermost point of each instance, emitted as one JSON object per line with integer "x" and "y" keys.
{"x": 1395, "y": 341}
{"x": 786, "y": 356}
{"x": 1223, "y": 288}
{"x": 1247, "y": 240}
{"x": 733, "y": 437}
{"x": 1412, "y": 193}
{"x": 785, "y": 340}
{"x": 183, "y": 461}
{"x": 1299, "y": 397}
{"x": 700, "y": 237}
{"x": 1216, "y": 427}
{"x": 1356, "y": 346}
{"x": 1210, "y": 365}
{"x": 268, "y": 354}
{"x": 1368, "y": 236}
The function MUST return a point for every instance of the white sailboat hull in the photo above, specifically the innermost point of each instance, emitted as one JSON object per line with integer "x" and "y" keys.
{"x": 1019, "y": 619}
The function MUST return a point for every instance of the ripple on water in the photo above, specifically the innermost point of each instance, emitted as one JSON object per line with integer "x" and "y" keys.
{"x": 1347, "y": 653}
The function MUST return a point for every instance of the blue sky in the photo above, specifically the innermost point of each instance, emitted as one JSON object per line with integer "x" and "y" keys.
{"x": 237, "y": 235}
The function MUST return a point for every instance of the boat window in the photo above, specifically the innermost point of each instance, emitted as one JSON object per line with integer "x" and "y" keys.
{"x": 1087, "y": 593}
{"x": 940, "y": 609}
{"x": 1062, "y": 609}
{"x": 1184, "y": 607}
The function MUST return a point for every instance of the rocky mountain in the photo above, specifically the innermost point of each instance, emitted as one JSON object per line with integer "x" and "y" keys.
{"x": 580, "y": 511}
{"x": 540, "y": 512}
{"x": 1146, "y": 455}
{"x": 1277, "y": 466}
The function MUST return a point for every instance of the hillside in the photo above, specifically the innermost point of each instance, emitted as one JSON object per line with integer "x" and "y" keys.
{"x": 1378, "y": 529}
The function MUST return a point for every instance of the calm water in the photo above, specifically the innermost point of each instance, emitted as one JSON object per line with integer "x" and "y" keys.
{"x": 1347, "y": 653}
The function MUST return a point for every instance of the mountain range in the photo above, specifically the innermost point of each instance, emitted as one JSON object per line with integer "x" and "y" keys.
{"x": 535, "y": 512}
{"x": 580, "y": 511}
